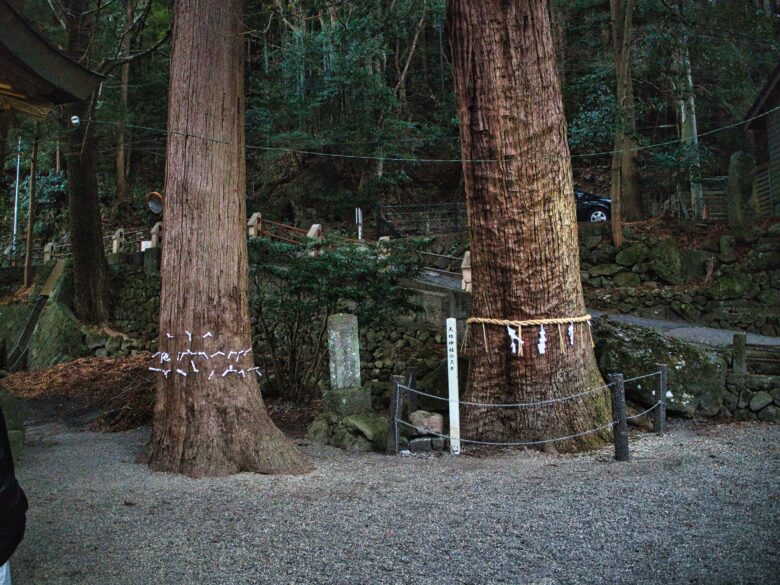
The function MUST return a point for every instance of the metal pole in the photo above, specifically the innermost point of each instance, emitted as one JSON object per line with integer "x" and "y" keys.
{"x": 620, "y": 429}
{"x": 395, "y": 414}
{"x": 660, "y": 411}
{"x": 31, "y": 208}
{"x": 16, "y": 198}
{"x": 452, "y": 379}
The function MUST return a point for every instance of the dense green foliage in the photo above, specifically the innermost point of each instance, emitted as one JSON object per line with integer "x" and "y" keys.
{"x": 296, "y": 288}
{"x": 732, "y": 45}
{"x": 337, "y": 89}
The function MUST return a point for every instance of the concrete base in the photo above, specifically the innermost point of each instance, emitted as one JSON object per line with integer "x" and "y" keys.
{"x": 347, "y": 401}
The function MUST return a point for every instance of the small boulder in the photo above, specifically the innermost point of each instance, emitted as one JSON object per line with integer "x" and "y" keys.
{"x": 744, "y": 415}
{"x": 744, "y": 398}
{"x": 733, "y": 286}
{"x": 760, "y": 400}
{"x": 371, "y": 426}
{"x": 666, "y": 262}
{"x": 605, "y": 270}
{"x": 627, "y": 279}
{"x": 427, "y": 422}
{"x": 769, "y": 414}
{"x": 592, "y": 241}
{"x": 697, "y": 375}
{"x": 603, "y": 254}
{"x": 694, "y": 264}
{"x": 420, "y": 445}
{"x": 633, "y": 254}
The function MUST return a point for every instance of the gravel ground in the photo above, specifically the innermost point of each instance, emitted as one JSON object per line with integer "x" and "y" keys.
{"x": 698, "y": 505}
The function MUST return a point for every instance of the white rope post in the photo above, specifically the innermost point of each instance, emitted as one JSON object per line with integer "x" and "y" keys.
{"x": 452, "y": 379}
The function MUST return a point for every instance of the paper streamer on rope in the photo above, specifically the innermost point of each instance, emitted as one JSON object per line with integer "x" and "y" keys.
{"x": 186, "y": 363}
{"x": 514, "y": 330}
{"x": 515, "y": 343}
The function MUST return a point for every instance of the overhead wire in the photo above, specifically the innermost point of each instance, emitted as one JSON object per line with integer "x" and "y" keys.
{"x": 425, "y": 160}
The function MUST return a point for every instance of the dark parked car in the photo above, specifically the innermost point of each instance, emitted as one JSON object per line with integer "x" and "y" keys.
{"x": 592, "y": 207}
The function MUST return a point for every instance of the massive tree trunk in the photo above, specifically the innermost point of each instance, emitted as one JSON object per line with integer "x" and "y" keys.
{"x": 91, "y": 301}
{"x": 209, "y": 424}
{"x": 523, "y": 228}
{"x": 624, "y": 188}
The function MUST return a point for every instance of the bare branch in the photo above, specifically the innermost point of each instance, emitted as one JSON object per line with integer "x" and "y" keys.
{"x": 108, "y": 66}
{"x": 59, "y": 18}
{"x": 410, "y": 54}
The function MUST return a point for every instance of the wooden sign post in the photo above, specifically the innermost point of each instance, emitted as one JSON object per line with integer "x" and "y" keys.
{"x": 452, "y": 379}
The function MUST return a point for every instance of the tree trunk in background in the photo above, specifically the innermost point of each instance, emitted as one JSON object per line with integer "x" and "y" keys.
{"x": 558, "y": 27}
{"x": 28, "y": 251}
{"x": 122, "y": 190}
{"x": 522, "y": 223}
{"x": 91, "y": 301}
{"x": 206, "y": 427}
{"x": 689, "y": 132}
{"x": 5, "y": 126}
{"x": 624, "y": 184}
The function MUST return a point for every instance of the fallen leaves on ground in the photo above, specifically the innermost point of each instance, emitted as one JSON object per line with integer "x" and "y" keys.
{"x": 122, "y": 389}
{"x": 83, "y": 377}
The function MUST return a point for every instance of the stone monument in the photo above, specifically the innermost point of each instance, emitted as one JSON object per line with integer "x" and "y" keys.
{"x": 344, "y": 350}
{"x": 347, "y": 420}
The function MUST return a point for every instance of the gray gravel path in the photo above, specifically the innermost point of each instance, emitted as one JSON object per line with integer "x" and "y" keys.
{"x": 698, "y": 505}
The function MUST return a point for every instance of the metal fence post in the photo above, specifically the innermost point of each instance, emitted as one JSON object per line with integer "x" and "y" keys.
{"x": 620, "y": 428}
{"x": 660, "y": 411}
{"x": 395, "y": 414}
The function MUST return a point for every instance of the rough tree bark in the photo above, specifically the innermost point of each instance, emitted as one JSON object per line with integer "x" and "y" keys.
{"x": 522, "y": 224}
{"x": 202, "y": 426}
{"x": 91, "y": 301}
{"x": 624, "y": 187}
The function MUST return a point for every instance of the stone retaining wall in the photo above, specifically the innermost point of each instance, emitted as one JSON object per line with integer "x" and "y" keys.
{"x": 734, "y": 284}
{"x": 753, "y": 397}
{"x": 414, "y": 343}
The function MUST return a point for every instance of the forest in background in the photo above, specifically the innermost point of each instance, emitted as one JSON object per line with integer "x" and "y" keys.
{"x": 337, "y": 91}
